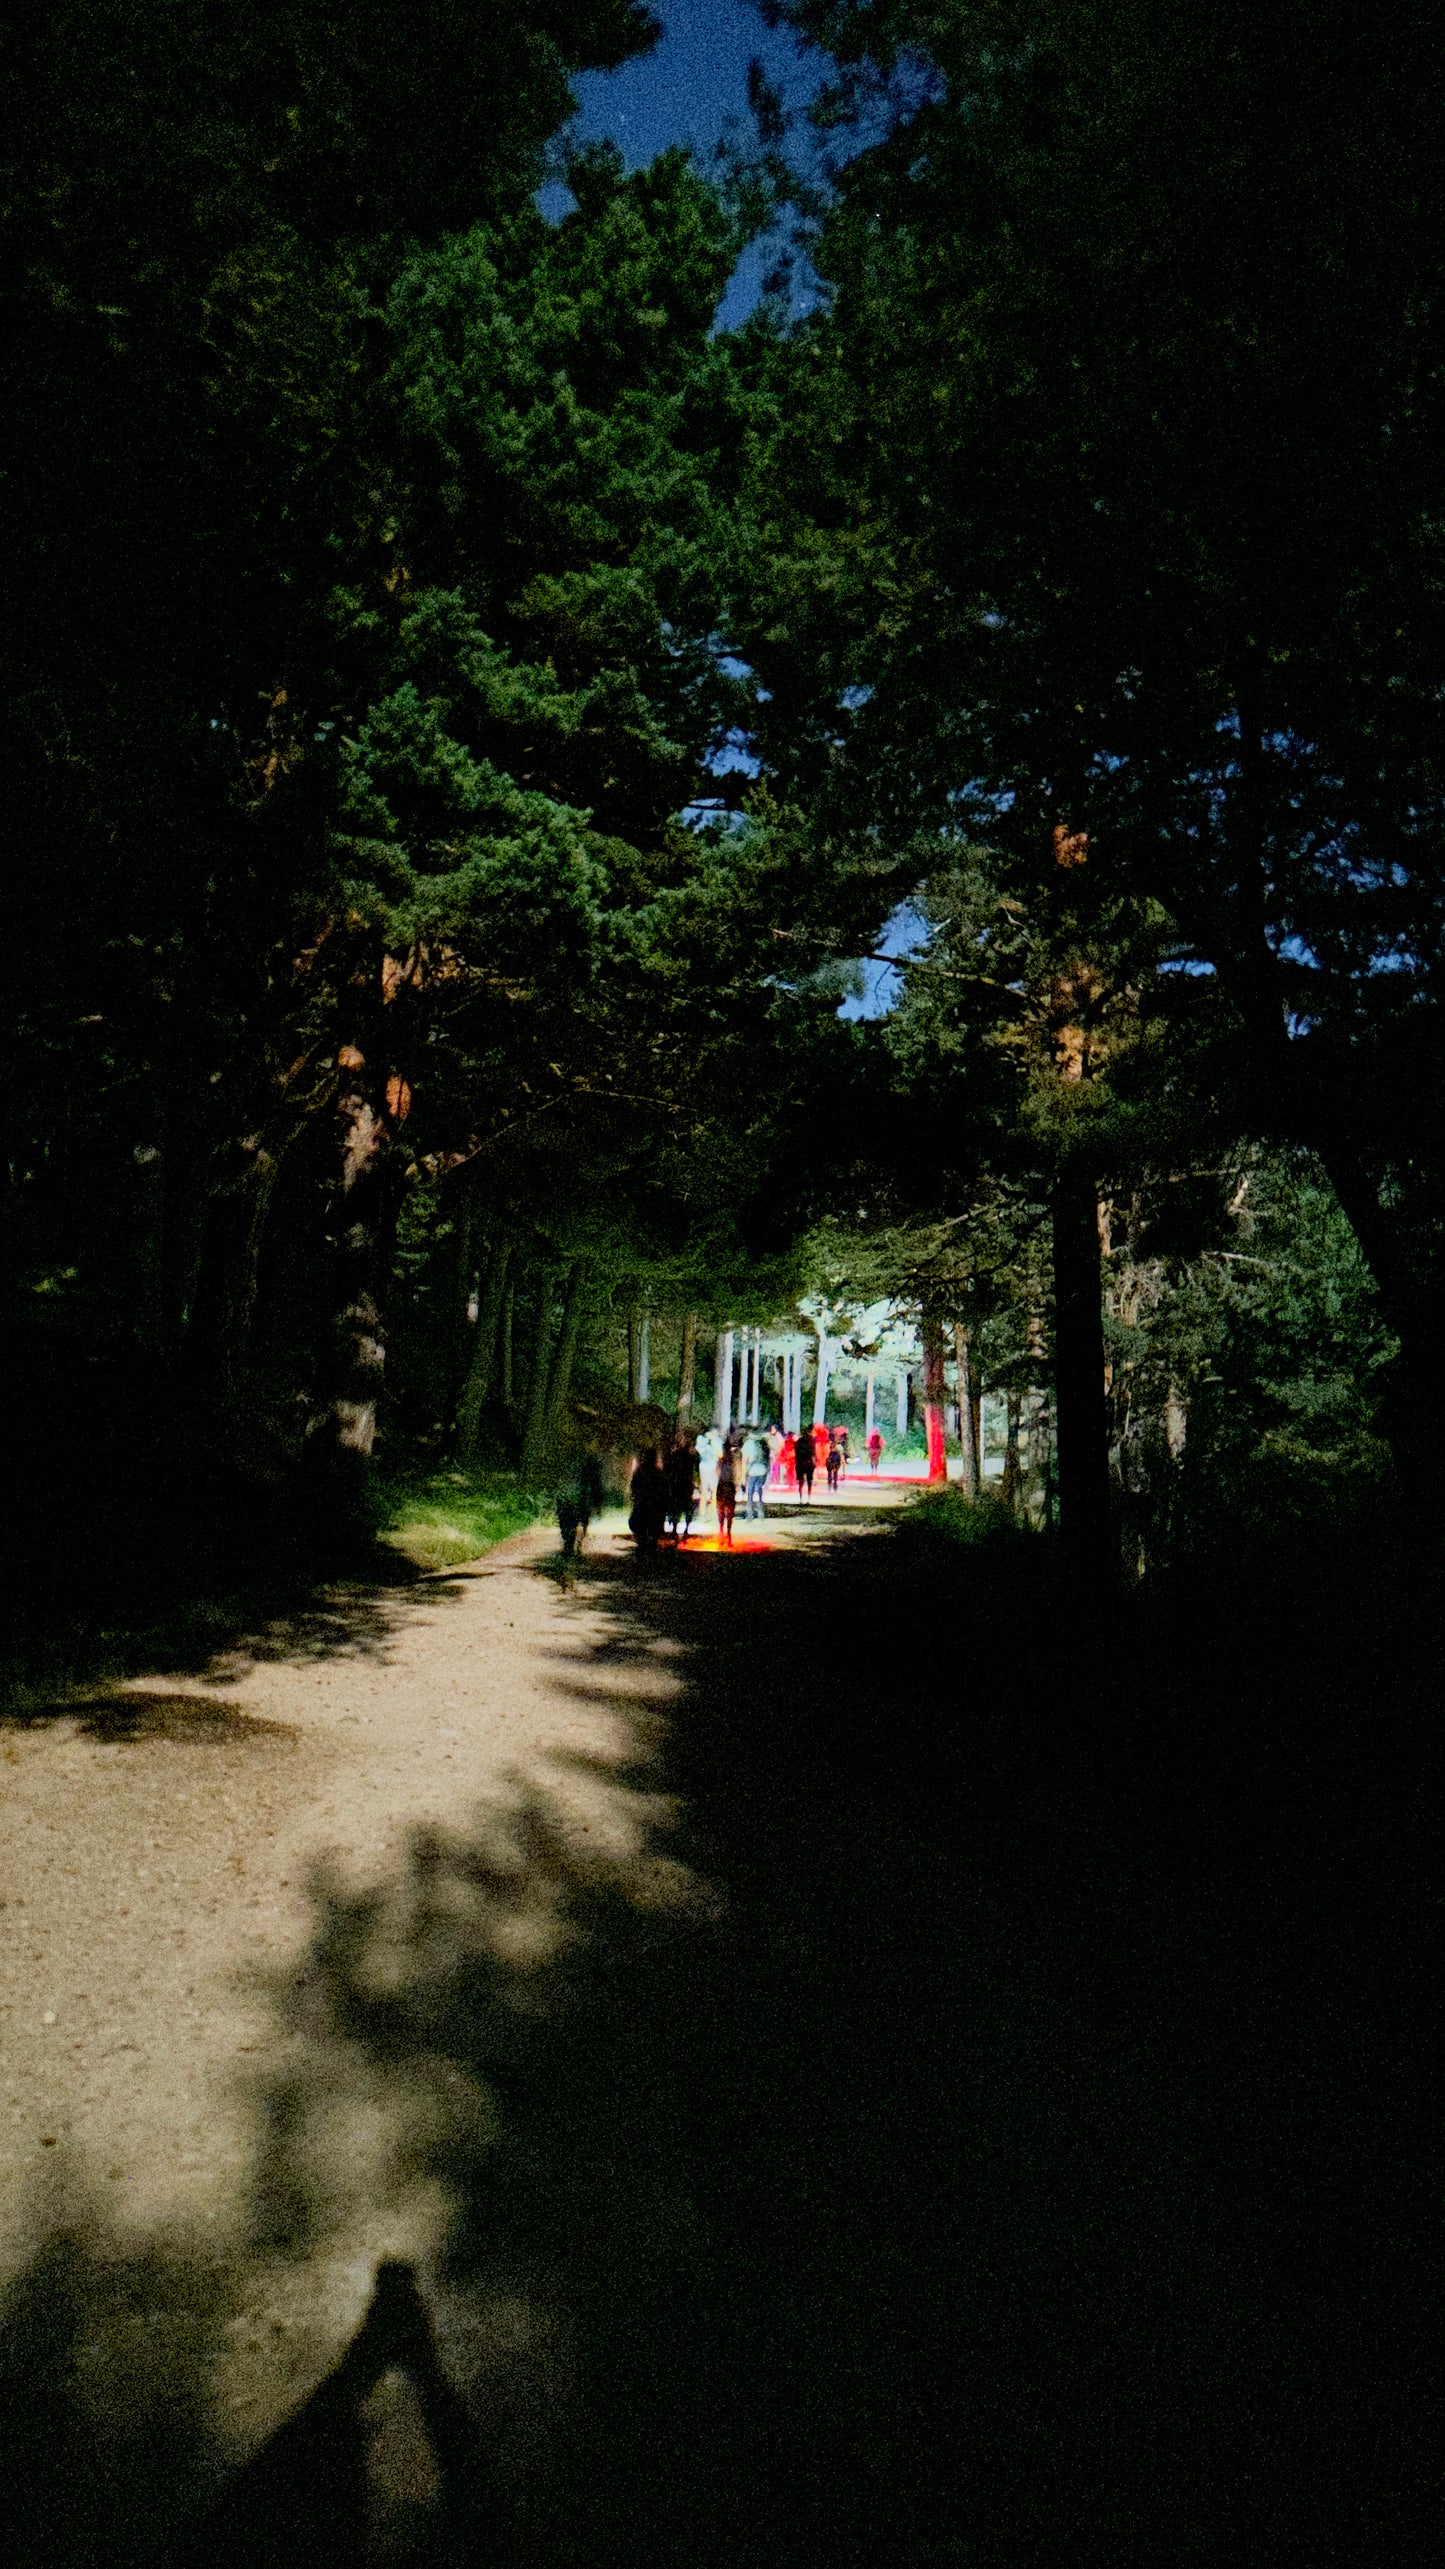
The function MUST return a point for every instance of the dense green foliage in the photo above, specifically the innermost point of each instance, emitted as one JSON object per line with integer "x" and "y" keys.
{"x": 394, "y": 568}
{"x": 1125, "y": 437}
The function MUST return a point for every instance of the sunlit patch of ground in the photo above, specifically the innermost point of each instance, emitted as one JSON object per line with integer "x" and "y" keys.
{"x": 170, "y": 2070}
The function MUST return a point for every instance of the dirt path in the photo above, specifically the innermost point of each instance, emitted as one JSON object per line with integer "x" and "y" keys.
{"x": 845, "y": 2106}
{"x": 166, "y": 2100}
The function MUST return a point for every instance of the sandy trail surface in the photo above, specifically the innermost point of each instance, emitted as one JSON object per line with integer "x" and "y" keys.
{"x": 831, "y": 2096}
{"x": 181, "y": 2124}
{"x": 159, "y": 1851}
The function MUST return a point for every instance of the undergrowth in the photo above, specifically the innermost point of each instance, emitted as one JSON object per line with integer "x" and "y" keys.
{"x": 440, "y": 1519}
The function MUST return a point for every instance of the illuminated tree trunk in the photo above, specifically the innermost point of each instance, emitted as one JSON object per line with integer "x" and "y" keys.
{"x": 820, "y": 1384}
{"x": 869, "y": 1389}
{"x": 723, "y": 1381}
{"x": 934, "y": 1389}
{"x": 968, "y": 1414}
{"x": 687, "y": 1374}
{"x": 347, "y": 1434}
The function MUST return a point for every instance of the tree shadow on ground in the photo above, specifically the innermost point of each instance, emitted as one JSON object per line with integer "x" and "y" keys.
{"x": 105, "y": 2358}
{"x": 976, "y": 2113}
{"x": 141, "y": 1713}
{"x": 277, "y": 1609}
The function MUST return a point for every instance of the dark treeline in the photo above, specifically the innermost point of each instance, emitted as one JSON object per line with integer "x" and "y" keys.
{"x": 389, "y": 567}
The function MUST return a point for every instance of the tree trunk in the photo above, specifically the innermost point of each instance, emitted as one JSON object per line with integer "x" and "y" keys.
{"x": 1041, "y": 1457}
{"x": 820, "y": 1387}
{"x": 644, "y": 1354}
{"x": 464, "y": 1282}
{"x": 1012, "y": 1477}
{"x": 902, "y": 1404}
{"x": 723, "y": 1381}
{"x": 1176, "y": 1420}
{"x": 478, "y": 1384}
{"x": 870, "y": 1387}
{"x": 561, "y": 1383}
{"x": 634, "y": 1354}
{"x": 226, "y": 1285}
{"x": 534, "y": 1434}
{"x": 1413, "y": 1388}
{"x": 687, "y": 1373}
{"x": 967, "y": 1414}
{"x": 509, "y": 1374}
{"x": 934, "y": 1389}
{"x": 359, "y": 1345}
{"x": 1081, "y": 1422}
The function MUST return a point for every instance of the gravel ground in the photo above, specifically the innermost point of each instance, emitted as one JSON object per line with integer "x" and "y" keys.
{"x": 159, "y": 1846}
{"x": 164, "y": 1849}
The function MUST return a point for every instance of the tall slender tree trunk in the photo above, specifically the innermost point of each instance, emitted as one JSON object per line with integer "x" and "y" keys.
{"x": 534, "y": 1434}
{"x": 639, "y": 1353}
{"x": 687, "y": 1371}
{"x": 902, "y": 1404}
{"x": 478, "y": 1383}
{"x": 934, "y": 1393}
{"x": 345, "y": 1436}
{"x": 561, "y": 1383}
{"x": 972, "y": 1477}
{"x": 1012, "y": 1475}
{"x": 723, "y": 1381}
{"x": 870, "y": 1386}
{"x": 509, "y": 1369}
{"x": 229, "y": 1272}
{"x": 1081, "y": 1422}
{"x": 820, "y": 1385}
{"x": 465, "y": 1283}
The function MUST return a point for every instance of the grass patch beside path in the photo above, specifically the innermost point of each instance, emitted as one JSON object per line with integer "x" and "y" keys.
{"x": 440, "y": 1519}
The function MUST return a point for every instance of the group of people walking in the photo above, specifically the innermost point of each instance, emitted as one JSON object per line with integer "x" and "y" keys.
{"x": 709, "y": 1470}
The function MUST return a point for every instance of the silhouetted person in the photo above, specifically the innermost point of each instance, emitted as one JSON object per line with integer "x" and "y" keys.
{"x": 313, "y": 2496}
{"x": 803, "y": 1461}
{"x": 727, "y": 1493}
{"x": 679, "y": 1476}
{"x": 833, "y": 1461}
{"x": 578, "y": 1500}
{"x": 875, "y": 1451}
{"x": 649, "y": 1501}
{"x": 756, "y": 1460}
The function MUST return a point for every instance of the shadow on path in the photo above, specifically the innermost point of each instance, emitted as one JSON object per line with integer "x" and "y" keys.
{"x": 952, "y": 2129}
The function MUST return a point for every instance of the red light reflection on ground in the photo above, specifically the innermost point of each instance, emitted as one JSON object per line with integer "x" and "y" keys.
{"x": 714, "y": 1543}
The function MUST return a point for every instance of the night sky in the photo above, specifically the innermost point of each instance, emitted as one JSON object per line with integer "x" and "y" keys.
{"x": 688, "y": 90}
